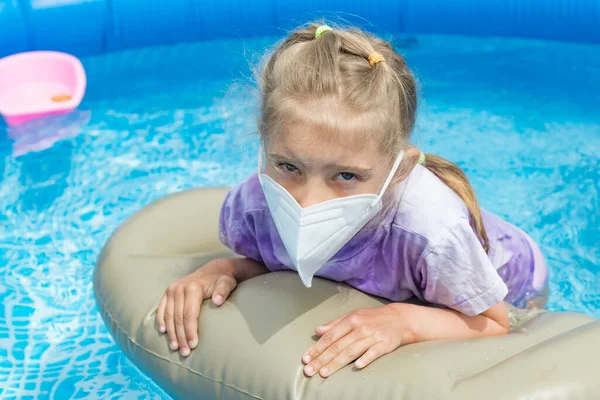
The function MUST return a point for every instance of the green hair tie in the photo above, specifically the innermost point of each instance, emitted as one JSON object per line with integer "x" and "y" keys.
{"x": 322, "y": 29}
{"x": 421, "y": 158}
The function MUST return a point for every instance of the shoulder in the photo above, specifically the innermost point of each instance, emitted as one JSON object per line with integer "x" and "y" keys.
{"x": 247, "y": 195}
{"x": 242, "y": 204}
{"x": 427, "y": 207}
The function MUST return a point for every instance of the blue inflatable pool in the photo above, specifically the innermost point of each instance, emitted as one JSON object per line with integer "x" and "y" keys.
{"x": 85, "y": 27}
{"x": 68, "y": 183}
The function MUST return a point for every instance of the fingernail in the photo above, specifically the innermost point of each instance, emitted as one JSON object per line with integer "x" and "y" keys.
{"x": 359, "y": 364}
{"x": 309, "y": 370}
{"x": 173, "y": 345}
{"x": 162, "y": 329}
{"x": 306, "y": 358}
{"x": 185, "y": 352}
{"x": 193, "y": 343}
{"x": 324, "y": 371}
{"x": 219, "y": 299}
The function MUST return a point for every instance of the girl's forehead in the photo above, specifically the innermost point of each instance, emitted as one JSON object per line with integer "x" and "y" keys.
{"x": 326, "y": 130}
{"x": 335, "y": 121}
{"x": 315, "y": 144}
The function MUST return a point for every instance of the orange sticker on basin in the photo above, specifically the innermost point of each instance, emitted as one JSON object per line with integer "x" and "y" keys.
{"x": 61, "y": 97}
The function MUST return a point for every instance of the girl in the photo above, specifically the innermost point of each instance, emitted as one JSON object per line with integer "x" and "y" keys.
{"x": 340, "y": 193}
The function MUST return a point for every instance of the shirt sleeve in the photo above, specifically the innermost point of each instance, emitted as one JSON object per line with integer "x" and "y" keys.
{"x": 459, "y": 275}
{"x": 236, "y": 227}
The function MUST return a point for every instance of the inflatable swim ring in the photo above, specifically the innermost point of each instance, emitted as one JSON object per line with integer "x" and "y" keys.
{"x": 250, "y": 347}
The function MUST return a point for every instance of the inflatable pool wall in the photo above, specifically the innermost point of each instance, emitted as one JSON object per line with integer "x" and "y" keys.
{"x": 86, "y": 27}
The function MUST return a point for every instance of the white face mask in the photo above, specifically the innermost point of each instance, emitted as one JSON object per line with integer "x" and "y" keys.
{"x": 313, "y": 235}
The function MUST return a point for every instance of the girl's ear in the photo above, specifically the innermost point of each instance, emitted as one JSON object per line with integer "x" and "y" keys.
{"x": 410, "y": 159}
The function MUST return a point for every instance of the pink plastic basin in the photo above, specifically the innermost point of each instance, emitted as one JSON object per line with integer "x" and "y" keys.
{"x": 38, "y": 84}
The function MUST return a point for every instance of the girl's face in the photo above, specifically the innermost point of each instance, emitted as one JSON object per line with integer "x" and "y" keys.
{"x": 315, "y": 164}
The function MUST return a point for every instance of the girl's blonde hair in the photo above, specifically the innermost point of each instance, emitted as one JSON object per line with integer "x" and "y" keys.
{"x": 335, "y": 67}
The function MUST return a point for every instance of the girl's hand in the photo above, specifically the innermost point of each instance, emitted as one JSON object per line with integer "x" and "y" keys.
{"x": 179, "y": 307}
{"x": 366, "y": 334}
{"x": 370, "y": 333}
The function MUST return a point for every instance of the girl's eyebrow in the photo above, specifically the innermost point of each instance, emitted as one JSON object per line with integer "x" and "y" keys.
{"x": 348, "y": 168}
{"x": 336, "y": 167}
{"x": 285, "y": 159}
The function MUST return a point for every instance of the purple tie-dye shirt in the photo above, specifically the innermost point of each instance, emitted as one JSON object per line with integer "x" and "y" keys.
{"x": 423, "y": 247}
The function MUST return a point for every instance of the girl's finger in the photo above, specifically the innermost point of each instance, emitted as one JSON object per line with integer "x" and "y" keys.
{"x": 223, "y": 288}
{"x": 170, "y": 321}
{"x": 371, "y": 355}
{"x": 321, "y": 330}
{"x": 350, "y": 353}
{"x": 331, "y": 353}
{"x": 191, "y": 312}
{"x": 334, "y": 334}
{"x": 179, "y": 328}
{"x": 160, "y": 314}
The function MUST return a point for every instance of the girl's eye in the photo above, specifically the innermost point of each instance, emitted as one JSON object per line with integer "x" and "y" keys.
{"x": 347, "y": 176}
{"x": 288, "y": 167}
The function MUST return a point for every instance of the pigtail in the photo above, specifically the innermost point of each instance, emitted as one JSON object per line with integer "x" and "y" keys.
{"x": 455, "y": 179}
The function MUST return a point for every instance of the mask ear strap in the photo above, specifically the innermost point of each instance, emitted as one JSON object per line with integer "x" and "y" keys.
{"x": 260, "y": 159}
{"x": 392, "y": 173}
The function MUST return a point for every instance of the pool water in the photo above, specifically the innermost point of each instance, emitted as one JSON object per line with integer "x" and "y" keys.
{"x": 520, "y": 116}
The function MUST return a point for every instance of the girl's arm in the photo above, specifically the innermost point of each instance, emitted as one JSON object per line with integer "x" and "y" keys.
{"x": 242, "y": 269}
{"x": 428, "y": 323}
